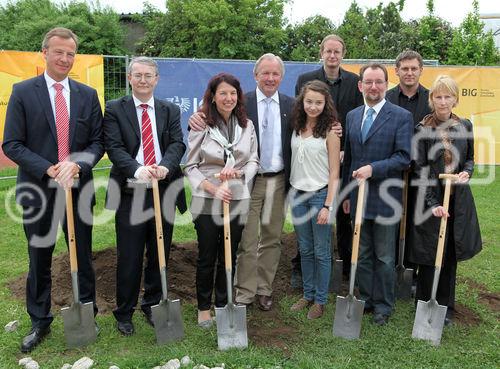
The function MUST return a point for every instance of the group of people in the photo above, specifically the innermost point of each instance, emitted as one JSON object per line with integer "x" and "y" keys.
{"x": 256, "y": 152}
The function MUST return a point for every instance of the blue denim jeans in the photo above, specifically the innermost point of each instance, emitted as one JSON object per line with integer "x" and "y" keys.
{"x": 314, "y": 244}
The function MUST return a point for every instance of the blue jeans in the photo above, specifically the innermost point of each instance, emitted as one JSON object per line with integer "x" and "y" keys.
{"x": 376, "y": 270}
{"x": 314, "y": 244}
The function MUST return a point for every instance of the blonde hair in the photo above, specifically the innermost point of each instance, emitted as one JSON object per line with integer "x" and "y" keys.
{"x": 444, "y": 83}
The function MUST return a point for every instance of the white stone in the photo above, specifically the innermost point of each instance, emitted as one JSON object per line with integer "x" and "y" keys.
{"x": 83, "y": 363}
{"x": 172, "y": 364}
{"x": 32, "y": 365}
{"x": 186, "y": 360}
{"x": 11, "y": 326}
{"x": 25, "y": 360}
{"x": 157, "y": 367}
{"x": 218, "y": 367}
{"x": 67, "y": 366}
{"x": 201, "y": 366}
{"x": 113, "y": 367}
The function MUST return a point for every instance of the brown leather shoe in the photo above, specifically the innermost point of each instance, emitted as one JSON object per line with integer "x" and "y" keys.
{"x": 301, "y": 304}
{"x": 315, "y": 311}
{"x": 265, "y": 303}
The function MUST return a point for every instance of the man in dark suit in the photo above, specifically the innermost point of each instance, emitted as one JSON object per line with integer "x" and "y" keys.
{"x": 346, "y": 96}
{"x": 260, "y": 247}
{"x": 143, "y": 139}
{"x": 53, "y": 132}
{"x": 412, "y": 96}
{"x": 377, "y": 149}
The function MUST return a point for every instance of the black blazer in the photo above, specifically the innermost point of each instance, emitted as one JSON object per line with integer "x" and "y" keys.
{"x": 122, "y": 139}
{"x": 286, "y": 106}
{"x": 30, "y": 137}
{"x": 423, "y": 108}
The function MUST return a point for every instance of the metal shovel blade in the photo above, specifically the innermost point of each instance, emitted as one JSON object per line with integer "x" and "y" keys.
{"x": 429, "y": 321}
{"x": 231, "y": 327}
{"x": 348, "y": 316}
{"x": 404, "y": 280}
{"x": 336, "y": 281}
{"x": 167, "y": 320}
{"x": 79, "y": 324}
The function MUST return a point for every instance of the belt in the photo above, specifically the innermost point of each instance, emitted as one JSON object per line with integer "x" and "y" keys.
{"x": 302, "y": 192}
{"x": 269, "y": 174}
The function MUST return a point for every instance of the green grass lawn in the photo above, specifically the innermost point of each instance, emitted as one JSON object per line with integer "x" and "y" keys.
{"x": 463, "y": 346}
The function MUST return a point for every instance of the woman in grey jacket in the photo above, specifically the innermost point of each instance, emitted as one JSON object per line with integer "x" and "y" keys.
{"x": 228, "y": 147}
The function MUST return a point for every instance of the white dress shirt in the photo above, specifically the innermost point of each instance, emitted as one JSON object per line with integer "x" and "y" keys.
{"x": 377, "y": 107}
{"x": 52, "y": 92}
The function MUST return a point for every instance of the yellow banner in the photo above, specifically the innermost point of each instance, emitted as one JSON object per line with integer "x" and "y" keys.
{"x": 16, "y": 66}
{"x": 479, "y": 101}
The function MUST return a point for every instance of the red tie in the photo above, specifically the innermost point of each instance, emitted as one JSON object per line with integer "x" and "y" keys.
{"x": 148, "y": 145}
{"x": 62, "y": 124}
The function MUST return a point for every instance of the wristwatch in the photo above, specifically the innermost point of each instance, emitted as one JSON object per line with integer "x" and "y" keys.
{"x": 330, "y": 208}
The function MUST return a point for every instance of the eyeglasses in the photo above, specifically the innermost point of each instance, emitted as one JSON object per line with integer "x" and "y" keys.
{"x": 378, "y": 82}
{"x": 147, "y": 77}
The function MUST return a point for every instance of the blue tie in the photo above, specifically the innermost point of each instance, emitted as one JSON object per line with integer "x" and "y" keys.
{"x": 266, "y": 141}
{"x": 367, "y": 124}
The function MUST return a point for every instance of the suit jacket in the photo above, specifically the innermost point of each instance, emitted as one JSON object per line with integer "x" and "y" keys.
{"x": 422, "y": 104}
{"x": 30, "y": 137}
{"x": 345, "y": 98}
{"x": 286, "y": 106}
{"x": 122, "y": 137}
{"x": 387, "y": 149}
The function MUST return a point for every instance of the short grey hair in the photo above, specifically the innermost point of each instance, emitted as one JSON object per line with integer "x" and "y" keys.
{"x": 269, "y": 56}
{"x": 59, "y": 32}
{"x": 143, "y": 60}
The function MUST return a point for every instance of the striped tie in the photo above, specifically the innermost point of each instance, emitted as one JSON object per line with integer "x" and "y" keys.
{"x": 62, "y": 123}
{"x": 148, "y": 146}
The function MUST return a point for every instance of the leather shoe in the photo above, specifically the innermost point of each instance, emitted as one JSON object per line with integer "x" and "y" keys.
{"x": 265, "y": 302}
{"x": 32, "y": 340}
{"x": 380, "y": 319}
{"x": 125, "y": 327}
{"x": 368, "y": 310}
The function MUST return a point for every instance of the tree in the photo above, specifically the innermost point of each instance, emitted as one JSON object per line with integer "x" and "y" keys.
{"x": 24, "y": 23}
{"x": 304, "y": 39}
{"x": 226, "y": 29}
{"x": 354, "y": 31}
{"x": 433, "y": 35}
{"x": 470, "y": 45}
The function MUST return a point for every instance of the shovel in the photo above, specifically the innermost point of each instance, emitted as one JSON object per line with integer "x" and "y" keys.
{"x": 79, "y": 323}
{"x": 349, "y": 310}
{"x": 166, "y": 315}
{"x": 337, "y": 268}
{"x": 430, "y": 316}
{"x": 404, "y": 277}
{"x": 231, "y": 319}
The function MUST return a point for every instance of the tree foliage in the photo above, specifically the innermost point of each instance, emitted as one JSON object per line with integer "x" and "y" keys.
{"x": 303, "y": 39}
{"x": 24, "y": 23}
{"x": 228, "y": 29}
{"x": 470, "y": 45}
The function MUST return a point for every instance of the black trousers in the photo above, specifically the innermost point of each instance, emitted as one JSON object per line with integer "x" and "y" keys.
{"x": 210, "y": 269}
{"x": 134, "y": 233}
{"x": 445, "y": 294}
{"x": 40, "y": 227}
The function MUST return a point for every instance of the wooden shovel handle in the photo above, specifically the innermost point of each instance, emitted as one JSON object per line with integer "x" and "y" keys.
{"x": 444, "y": 220}
{"x": 402, "y": 223}
{"x": 70, "y": 224}
{"x": 357, "y": 221}
{"x": 159, "y": 224}
{"x": 227, "y": 233}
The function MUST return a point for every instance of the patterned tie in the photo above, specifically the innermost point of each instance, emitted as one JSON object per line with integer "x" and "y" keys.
{"x": 62, "y": 123}
{"x": 367, "y": 123}
{"x": 266, "y": 138}
{"x": 148, "y": 145}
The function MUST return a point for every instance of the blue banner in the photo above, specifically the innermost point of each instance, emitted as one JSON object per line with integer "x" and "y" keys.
{"x": 183, "y": 81}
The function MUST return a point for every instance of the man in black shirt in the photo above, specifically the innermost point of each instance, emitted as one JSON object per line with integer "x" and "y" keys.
{"x": 409, "y": 93}
{"x": 346, "y": 96}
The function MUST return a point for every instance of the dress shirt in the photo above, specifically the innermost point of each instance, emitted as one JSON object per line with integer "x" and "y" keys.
{"x": 277, "y": 163}
{"x": 377, "y": 109}
{"x": 52, "y": 92}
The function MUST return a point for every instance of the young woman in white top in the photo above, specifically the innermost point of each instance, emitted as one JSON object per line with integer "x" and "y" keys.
{"x": 314, "y": 179}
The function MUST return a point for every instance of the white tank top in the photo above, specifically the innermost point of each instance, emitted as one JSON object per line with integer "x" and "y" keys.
{"x": 310, "y": 169}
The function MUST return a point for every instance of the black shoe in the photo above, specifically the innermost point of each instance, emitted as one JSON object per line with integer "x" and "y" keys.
{"x": 380, "y": 319}
{"x": 368, "y": 310}
{"x": 32, "y": 340}
{"x": 149, "y": 317}
{"x": 125, "y": 327}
